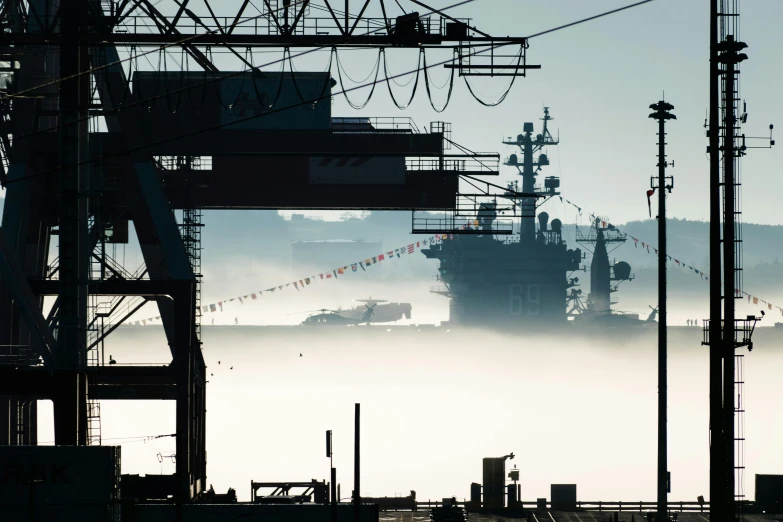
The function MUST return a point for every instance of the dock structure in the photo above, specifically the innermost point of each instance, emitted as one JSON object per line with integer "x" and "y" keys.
{"x": 94, "y": 150}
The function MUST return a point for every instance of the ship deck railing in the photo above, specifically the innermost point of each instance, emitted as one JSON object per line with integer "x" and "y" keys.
{"x": 459, "y": 225}
{"x": 440, "y": 290}
{"x": 476, "y": 164}
{"x": 375, "y": 125}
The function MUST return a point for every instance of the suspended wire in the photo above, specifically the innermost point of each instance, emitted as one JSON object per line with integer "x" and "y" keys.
{"x": 334, "y": 50}
{"x": 293, "y": 74}
{"x": 451, "y": 87}
{"x": 256, "y": 72}
{"x": 242, "y": 75}
{"x": 166, "y": 86}
{"x": 449, "y": 80}
{"x": 503, "y": 96}
{"x": 186, "y": 61}
{"x": 127, "y": 440}
{"x": 413, "y": 78}
{"x": 157, "y": 80}
{"x": 372, "y": 85}
{"x": 398, "y": 84}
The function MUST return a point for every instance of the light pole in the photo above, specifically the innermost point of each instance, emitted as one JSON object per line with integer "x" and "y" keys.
{"x": 662, "y": 183}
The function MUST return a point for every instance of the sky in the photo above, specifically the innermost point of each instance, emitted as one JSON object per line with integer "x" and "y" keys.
{"x": 599, "y": 79}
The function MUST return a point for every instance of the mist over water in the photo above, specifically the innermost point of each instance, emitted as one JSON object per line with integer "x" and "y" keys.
{"x": 573, "y": 408}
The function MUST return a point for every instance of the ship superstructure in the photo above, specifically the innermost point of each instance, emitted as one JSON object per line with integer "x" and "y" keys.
{"x": 517, "y": 278}
{"x": 605, "y": 277}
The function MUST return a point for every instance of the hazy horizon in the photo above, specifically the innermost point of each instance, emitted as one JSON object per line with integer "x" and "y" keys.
{"x": 434, "y": 403}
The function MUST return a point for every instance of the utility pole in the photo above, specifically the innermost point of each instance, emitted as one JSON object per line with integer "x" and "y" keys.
{"x": 357, "y": 500}
{"x": 662, "y": 184}
{"x": 333, "y": 477}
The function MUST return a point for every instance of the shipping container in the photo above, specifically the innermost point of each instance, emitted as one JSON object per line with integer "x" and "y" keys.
{"x": 59, "y": 483}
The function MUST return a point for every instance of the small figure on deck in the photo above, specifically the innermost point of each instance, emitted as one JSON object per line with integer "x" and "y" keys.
{"x": 236, "y": 321}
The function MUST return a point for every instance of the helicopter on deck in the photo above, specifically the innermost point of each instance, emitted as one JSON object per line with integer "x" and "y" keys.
{"x": 369, "y": 311}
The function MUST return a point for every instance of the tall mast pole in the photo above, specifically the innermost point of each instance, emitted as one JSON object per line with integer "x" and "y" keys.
{"x": 730, "y": 57}
{"x": 662, "y": 114}
{"x": 717, "y": 486}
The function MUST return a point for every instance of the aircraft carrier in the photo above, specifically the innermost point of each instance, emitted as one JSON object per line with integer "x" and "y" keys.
{"x": 530, "y": 277}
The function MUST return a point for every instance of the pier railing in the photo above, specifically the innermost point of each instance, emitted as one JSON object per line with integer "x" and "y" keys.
{"x": 589, "y": 505}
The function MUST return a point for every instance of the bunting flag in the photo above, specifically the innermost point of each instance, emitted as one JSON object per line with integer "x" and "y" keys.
{"x": 410, "y": 249}
{"x": 702, "y": 275}
{"x": 649, "y": 204}
{"x": 301, "y": 284}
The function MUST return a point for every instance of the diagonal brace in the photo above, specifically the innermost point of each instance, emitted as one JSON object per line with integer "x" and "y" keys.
{"x": 11, "y": 272}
